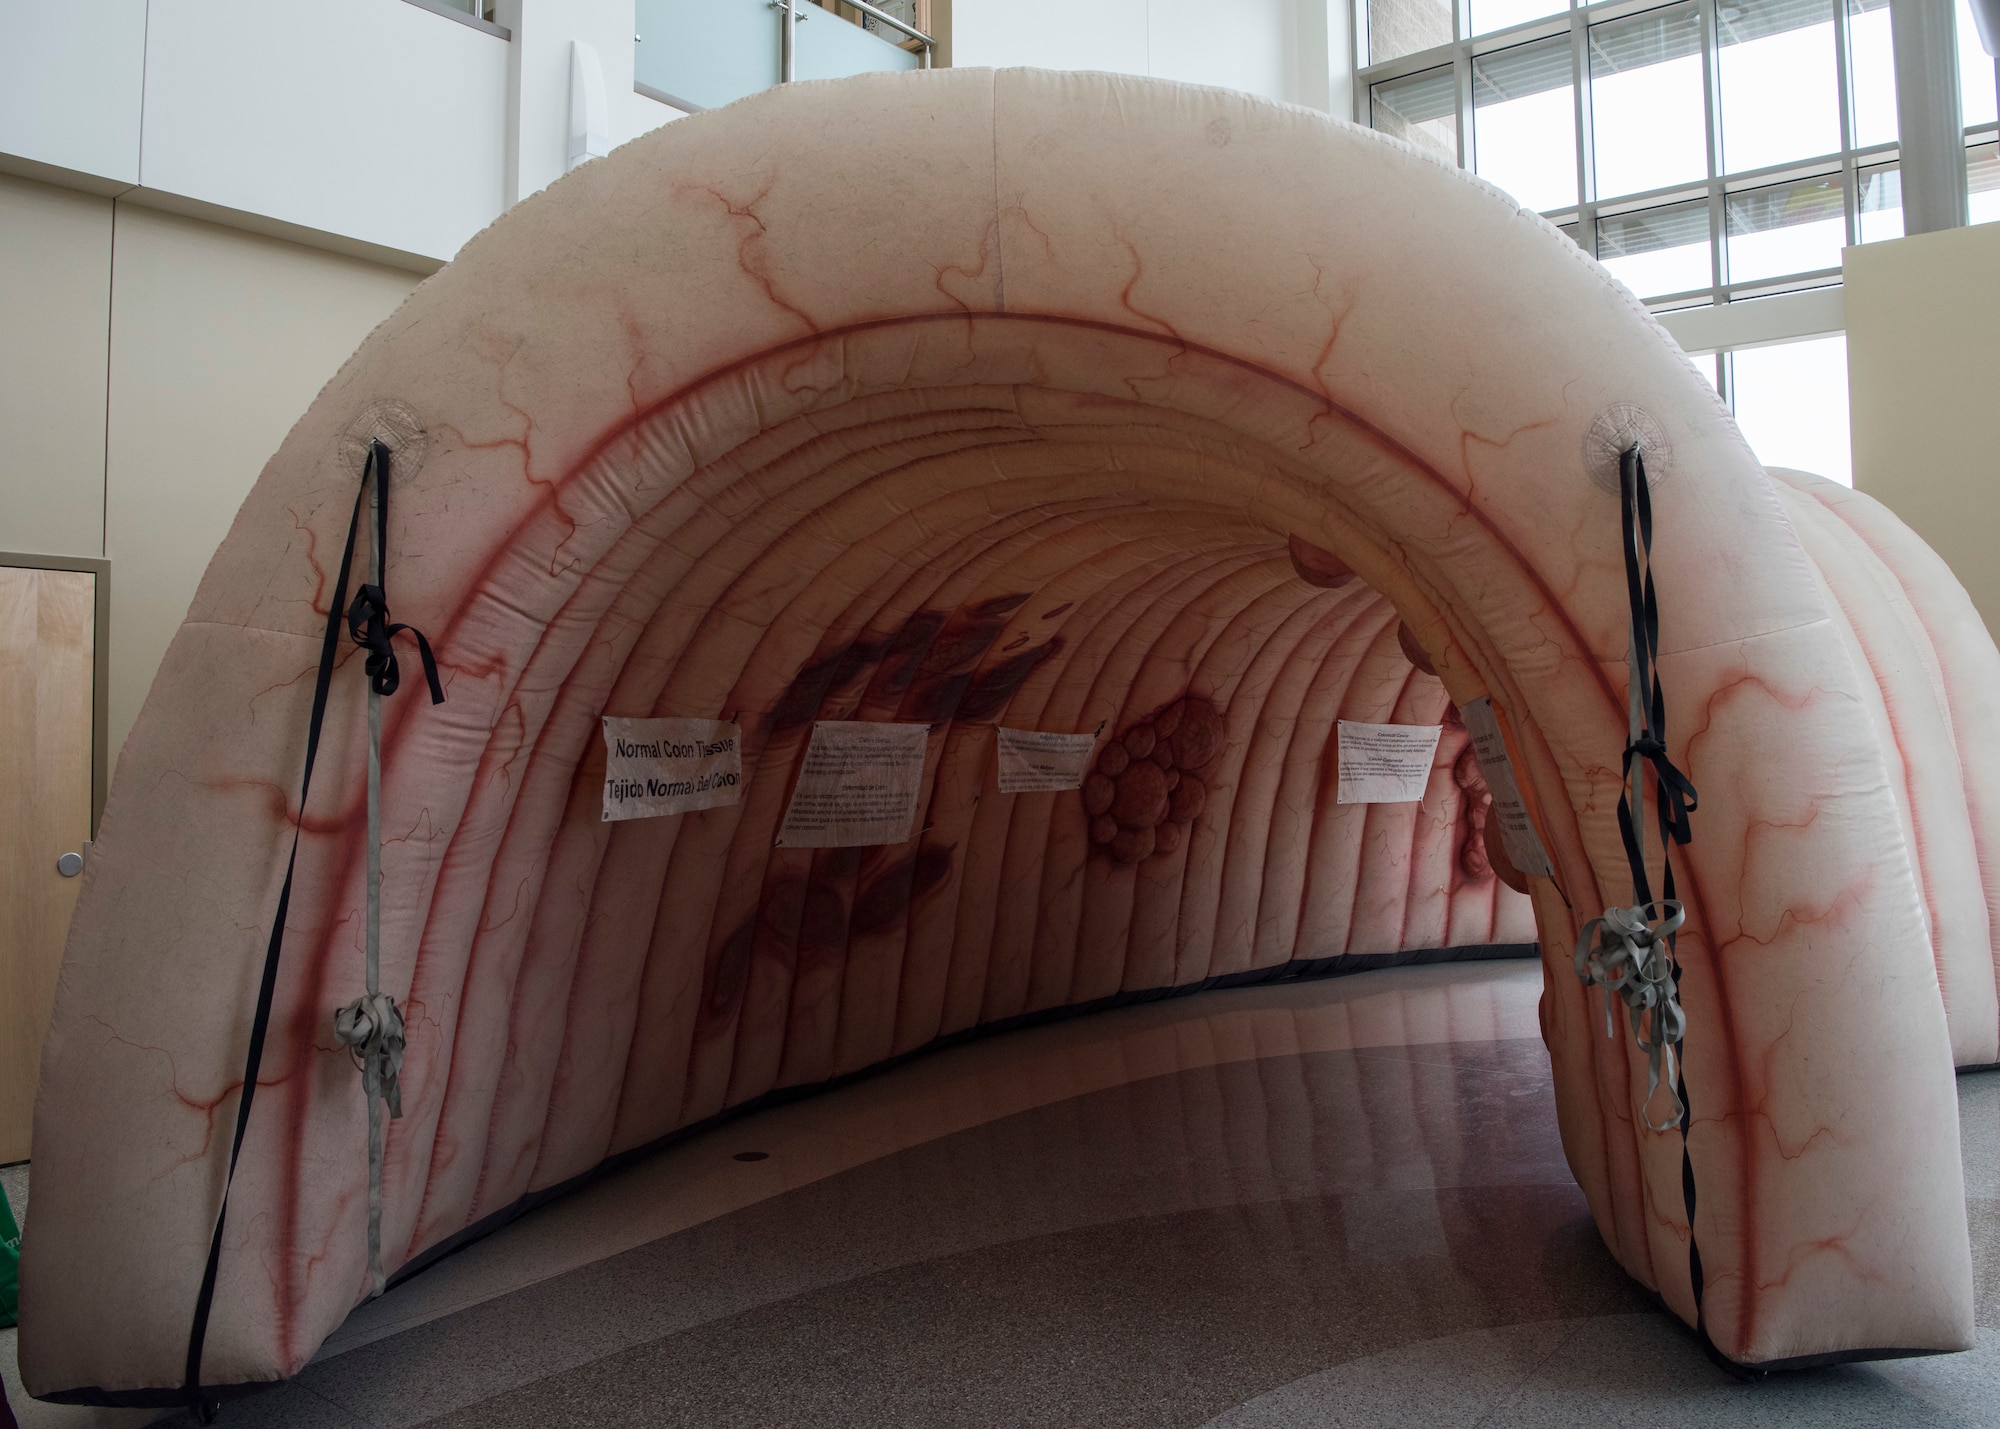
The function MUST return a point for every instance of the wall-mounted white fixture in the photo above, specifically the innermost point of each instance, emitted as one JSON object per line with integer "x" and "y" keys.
{"x": 589, "y": 108}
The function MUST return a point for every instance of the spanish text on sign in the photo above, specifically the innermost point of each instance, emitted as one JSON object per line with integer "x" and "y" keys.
{"x": 669, "y": 766}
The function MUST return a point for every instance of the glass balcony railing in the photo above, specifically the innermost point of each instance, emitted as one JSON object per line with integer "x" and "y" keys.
{"x": 698, "y": 54}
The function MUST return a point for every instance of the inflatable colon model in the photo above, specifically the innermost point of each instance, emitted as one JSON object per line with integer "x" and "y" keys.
{"x": 1201, "y": 420}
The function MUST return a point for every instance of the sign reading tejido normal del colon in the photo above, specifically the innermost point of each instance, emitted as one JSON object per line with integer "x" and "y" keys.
{"x": 670, "y": 766}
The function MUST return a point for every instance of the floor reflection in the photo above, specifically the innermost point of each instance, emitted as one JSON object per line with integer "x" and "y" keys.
{"x": 1323, "y": 1204}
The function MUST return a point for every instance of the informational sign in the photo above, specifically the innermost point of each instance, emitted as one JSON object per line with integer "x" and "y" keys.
{"x": 669, "y": 766}
{"x": 1386, "y": 763}
{"x": 1517, "y": 831}
{"x": 1035, "y": 761}
{"x": 858, "y": 787}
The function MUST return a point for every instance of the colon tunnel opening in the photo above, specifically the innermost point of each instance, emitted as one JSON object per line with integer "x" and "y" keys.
{"x": 961, "y": 554}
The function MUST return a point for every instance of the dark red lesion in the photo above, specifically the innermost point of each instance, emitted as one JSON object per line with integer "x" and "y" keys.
{"x": 726, "y": 977}
{"x": 885, "y": 900}
{"x": 989, "y": 691}
{"x": 816, "y": 683}
{"x": 903, "y": 656}
{"x": 950, "y": 668}
{"x": 823, "y": 916}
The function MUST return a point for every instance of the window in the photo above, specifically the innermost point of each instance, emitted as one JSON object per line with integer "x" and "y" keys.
{"x": 1523, "y": 111}
{"x": 1422, "y": 108}
{"x": 1706, "y": 151}
{"x": 1882, "y": 203}
{"x": 1786, "y": 228}
{"x": 1871, "y": 72}
{"x": 1791, "y": 403}
{"x": 1975, "y": 72}
{"x": 1982, "y": 179}
{"x": 1780, "y": 82}
{"x": 1649, "y": 123}
{"x": 1658, "y": 252}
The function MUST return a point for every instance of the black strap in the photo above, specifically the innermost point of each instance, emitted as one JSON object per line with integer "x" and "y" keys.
{"x": 1675, "y": 797}
{"x": 370, "y": 628}
{"x": 368, "y": 618}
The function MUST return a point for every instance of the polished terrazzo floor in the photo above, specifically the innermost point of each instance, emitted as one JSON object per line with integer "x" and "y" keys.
{"x": 1334, "y": 1203}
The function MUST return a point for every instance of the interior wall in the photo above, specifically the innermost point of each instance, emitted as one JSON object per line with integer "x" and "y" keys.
{"x": 390, "y": 134}
{"x": 71, "y": 78}
{"x": 538, "y": 121}
{"x": 55, "y": 312}
{"x": 1923, "y": 367}
{"x": 220, "y": 340}
{"x": 149, "y": 366}
{"x": 1276, "y": 48}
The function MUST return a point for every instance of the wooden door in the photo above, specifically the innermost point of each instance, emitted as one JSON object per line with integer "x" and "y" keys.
{"x": 47, "y": 631}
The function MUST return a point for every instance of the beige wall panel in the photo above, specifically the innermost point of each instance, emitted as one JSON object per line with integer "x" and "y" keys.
{"x": 1923, "y": 373}
{"x": 55, "y": 307}
{"x": 220, "y": 340}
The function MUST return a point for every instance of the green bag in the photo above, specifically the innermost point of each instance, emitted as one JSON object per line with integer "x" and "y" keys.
{"x": 10, "y": 1263}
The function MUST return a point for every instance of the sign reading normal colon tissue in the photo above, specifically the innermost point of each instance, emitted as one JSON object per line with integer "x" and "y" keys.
{"x": 1386, "y": 763}
{"x": 669, "y": 766}
{"x": 858, "y": 786}
{"x": 1035, "y": 761}
{"x": 1517, "y": 830}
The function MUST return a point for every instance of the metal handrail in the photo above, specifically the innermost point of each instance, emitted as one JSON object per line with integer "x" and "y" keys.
{"x": 886, "y": 18}
{"x": 788, "y": 45}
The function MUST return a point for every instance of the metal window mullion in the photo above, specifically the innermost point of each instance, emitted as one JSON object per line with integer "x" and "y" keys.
{"x": 1436, "y": 57}
{"x": 1586, "y": 134}
{"x": 1586, "y": 191}
{"x": 1461, "y": 37}
{"x": 1555, "y": 23}
{"x": 1357, "y": 35}
{"x": 1462, "y": 74}
{"x": 1850, "y": 184}
{"x": 1711, "y": 98}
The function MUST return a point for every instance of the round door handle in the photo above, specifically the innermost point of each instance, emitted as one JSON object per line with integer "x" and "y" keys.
{"x": 70, "y": 865}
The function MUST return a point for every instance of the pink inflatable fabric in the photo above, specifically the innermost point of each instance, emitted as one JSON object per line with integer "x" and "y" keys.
{"x": 1048, "y": 400}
